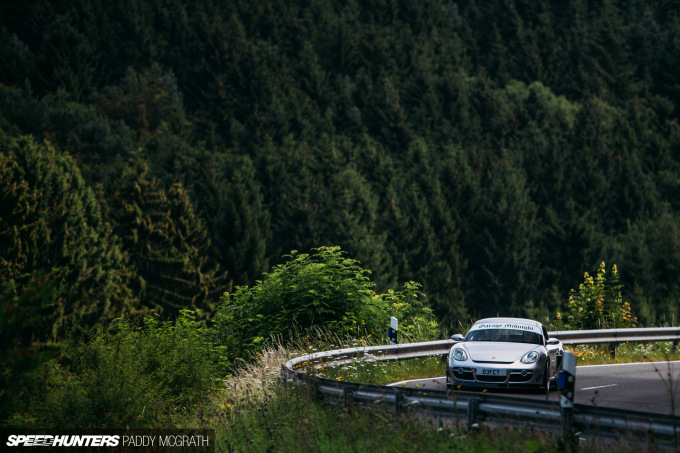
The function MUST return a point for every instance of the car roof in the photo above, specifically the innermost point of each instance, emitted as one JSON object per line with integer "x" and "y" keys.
{"x": 510, "y": 320}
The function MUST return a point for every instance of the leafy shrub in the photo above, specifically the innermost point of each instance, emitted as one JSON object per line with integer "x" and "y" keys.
{"x": 135, "y": 377}
{"x": 597, "y": 304}
{"x": 321, "y": 290}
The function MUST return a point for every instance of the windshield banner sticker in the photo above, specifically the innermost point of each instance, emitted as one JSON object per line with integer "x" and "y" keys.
{"x": 508, "y": 325}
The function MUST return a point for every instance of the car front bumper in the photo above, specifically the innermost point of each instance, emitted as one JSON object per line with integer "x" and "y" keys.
{"x": 467, "y": 376}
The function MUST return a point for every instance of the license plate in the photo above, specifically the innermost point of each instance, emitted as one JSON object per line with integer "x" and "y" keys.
{"x": 490, "y": 372}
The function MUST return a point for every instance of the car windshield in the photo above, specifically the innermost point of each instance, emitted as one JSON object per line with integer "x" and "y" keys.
{"x": 505, "y": 335}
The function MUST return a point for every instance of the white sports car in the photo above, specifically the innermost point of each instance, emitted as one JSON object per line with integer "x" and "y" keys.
{"x": 504, "y": 353}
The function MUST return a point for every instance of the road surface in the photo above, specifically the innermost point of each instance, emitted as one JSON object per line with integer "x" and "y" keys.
{"x": 634, "y": 386}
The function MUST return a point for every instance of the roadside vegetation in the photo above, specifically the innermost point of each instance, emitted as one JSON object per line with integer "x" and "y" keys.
{"x": 625, "y": 353}
{"x": 144, "y": 371}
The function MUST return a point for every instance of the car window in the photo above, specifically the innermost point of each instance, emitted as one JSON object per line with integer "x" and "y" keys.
{"x": 505, "y": 335}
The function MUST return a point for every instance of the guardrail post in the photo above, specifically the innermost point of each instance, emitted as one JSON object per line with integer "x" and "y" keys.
{"x": 612, "y": 350}
{"x": 566, "y": 383}
{"x": 398, "y": 401}
{"x": 393, "y": 330}
{"x": 346, "y": 394}
{"x": 472, "y": 411}
{"x": 314, "y": 390}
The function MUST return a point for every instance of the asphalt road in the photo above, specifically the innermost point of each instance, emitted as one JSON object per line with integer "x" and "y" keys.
{"x": 633, "y": 386}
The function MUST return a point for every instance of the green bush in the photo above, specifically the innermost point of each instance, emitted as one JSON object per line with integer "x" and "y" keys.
{"x": 322, "y": 290}
{"x": 597, "y": 304}
{"x": 135, "y": 377}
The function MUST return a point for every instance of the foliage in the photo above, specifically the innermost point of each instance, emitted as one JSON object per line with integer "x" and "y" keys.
{"x": 487, "y": 150}
{"x": 20, "y": 315}
{"x": 52, "y": 229}
{"x": 625, "y": 353}
{"x": 167, "y": 243}
{"x": 324, "y": 289}
{"x": 597, "y": 304}
{"x": 369, "y": 370}
{"x": 145, "y": 102}
{"x": 131, "y": 377}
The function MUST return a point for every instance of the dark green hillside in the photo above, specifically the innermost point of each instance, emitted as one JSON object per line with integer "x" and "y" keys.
{"x": 494, "y": 151}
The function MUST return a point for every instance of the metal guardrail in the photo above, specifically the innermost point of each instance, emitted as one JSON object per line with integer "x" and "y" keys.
{"x": 617, "y": 335}
{"x": 498, "y": 409}
{"x": 387, "y": 352}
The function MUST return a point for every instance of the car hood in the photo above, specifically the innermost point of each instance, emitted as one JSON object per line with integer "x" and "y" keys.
{"x": 499, "y": 352}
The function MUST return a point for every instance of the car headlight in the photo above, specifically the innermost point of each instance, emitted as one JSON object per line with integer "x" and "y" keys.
{"x": 459, "y": 354}
{"x": 530, "y": 357}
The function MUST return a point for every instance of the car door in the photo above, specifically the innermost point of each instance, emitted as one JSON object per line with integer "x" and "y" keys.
{"x": 553, "y": 351}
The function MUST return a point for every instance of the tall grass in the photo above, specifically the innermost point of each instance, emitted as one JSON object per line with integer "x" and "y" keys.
{"x": 369, "y": 370}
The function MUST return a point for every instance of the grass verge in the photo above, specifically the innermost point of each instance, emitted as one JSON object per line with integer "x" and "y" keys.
{"x": 625, "y": 353}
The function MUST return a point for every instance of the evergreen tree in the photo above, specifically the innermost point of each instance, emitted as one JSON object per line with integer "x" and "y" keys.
{"x": 490, "y": 149}
{"x": 145, "y": 102}
{"x": 53, "y": 229}
{"x": 167, "y": 243}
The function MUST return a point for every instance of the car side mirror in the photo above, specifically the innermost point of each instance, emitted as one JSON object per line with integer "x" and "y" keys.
{"x": 457, "y": 337}
{"x": 553, "y": 341}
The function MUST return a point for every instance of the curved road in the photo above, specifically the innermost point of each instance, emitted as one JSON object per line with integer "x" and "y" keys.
{"x": 634, "y": 386}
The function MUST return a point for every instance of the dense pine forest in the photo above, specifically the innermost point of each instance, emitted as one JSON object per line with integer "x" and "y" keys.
{"x": 157, "y": 154}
